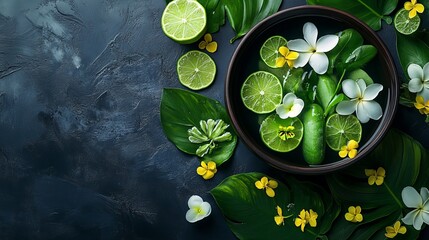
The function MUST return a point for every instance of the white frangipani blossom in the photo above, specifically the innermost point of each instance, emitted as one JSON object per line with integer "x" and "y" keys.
{"x": 198, "y": 209}
{"x": 312, "y": 50}
{"x": 419, "y": 82}
{"x": 291, "y": 106}
{"x": 420, "y": 203}
{"x": 361, "y": 100}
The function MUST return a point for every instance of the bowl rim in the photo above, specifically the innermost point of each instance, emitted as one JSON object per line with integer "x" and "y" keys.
{"x": 392, "y": 93}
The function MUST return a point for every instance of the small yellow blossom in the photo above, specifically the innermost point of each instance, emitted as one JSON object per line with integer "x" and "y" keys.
{"x": 421, "y": 105}
{"x": 413, "y": 7}
{"x": 268, "y": 185}
{"x": 286, "y": 132}
{"x": 305, "y": 217}
{"x": 287, "y": 56}
{"x": 207, "y": 170}
{"x": 208, "y": 43}
{"x": 375, "y": 176}
{"x": 354, "y": 214}
{"x": 392, "y": 231}
{"x": 349, "y": 150}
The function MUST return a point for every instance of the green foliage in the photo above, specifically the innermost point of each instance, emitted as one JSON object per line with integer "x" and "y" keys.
{"x": 412, "y": 49}
{"x": 181, "y": 110}
{"x": 369, "y": 11}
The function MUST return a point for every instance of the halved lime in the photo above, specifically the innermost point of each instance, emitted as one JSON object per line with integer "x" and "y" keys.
{"x": 261, "y": 92}
{"x": 281, "y": 135}
{"x": 269, "y": 51}
{"x": 196, "y": 70}
{"x": 184, "y": 21}
{"x": 404, "y": 24}
{"x": 340, "y": 129}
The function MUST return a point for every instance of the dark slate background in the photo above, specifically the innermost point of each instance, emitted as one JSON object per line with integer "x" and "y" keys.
{"x": 82, "y": 151}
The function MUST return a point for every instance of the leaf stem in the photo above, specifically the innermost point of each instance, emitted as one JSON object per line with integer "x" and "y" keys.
{"x": 339, "y": 82}
{"x": 393, "y": 195}
{"x": 370, "y": 9}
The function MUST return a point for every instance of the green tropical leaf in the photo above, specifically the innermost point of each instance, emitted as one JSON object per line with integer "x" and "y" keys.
{"x": 411, "y": 50}
{"x": 249, "y": 212}
{"x": 369, "y": 11}
{"x": 349, "y": 40}
{"x": 360, "y": 74}
{"x": 182, "y": 110}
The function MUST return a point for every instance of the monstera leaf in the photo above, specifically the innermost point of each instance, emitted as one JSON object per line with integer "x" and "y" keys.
{"x": 250, "y": 213}
{"x": 369, "y": 11}
{"x": 406, "y": 164}
{"x": 181, "y": 110}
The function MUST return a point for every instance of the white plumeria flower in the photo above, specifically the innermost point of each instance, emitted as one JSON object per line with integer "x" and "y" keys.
{"x": 313, "y": 50}
{"x": 291, "y": 106}
{"x": 420, "y": 202}
{"x": 198, "y": 209}
{"x": 361, "y": 100}
{"x": 419, "y": 82}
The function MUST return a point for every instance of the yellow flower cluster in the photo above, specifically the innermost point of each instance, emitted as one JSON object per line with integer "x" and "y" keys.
{"x": 349, "y": 150}
{"x": 354, "y": 214}
{"x": 392, "y": 231}
{"x": 421, "y": 105}
{"x": 306, "y": 217}
{"x": 268, "y": 185}
{"x": 207, "y": 170}
{"x": 375, "y": 176}
{"x": 413, "y": 7}
{"x": 208, "y": 43}
{"x": 286, "y": 56}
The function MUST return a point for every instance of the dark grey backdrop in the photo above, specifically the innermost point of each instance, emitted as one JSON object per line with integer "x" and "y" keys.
{"x": 82, "y": 152}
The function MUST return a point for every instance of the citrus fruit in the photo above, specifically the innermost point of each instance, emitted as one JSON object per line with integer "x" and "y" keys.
{"x": 340, "y": 129}
{"x": 261, "y": 92}
{"x": 281, "y": 135}
{"x": 404, "y": 24}
{"x": 269, "y": 51}
{"x": 196, "y": 70}
{"x": 184, "y": 21}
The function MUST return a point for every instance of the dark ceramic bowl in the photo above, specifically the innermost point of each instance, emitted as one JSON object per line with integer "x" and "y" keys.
{"x": 289, "y": 23}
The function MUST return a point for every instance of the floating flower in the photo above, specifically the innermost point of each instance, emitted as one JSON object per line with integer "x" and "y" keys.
{"x": 421, "y": 105}
{"x": 419, "y": 82}
{"x": 198, "y": 209}
{"x": 392, "y": 231}
{"x": 291, "y": 106}
{"x": 349, "y": 150}
{"x": 420, "y": 202}
{"x": 286, "y": 132}
{"x": 375, "y": 176}
{"x": 413, "y": 7}
{"x": 361, "y": 100}
{"x": 207, "y": 170}
{"x": 287, "y": 56}
{"x": 305, "y": 217}
{"x": 354, "y": 214}
{"x": 268, "y": 185}
{"x": 312, "y": 50}
{"x": 208, "y": 43}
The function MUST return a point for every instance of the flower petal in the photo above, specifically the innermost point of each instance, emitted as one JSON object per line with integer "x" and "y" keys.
{"x": 346, "y": 107}
{"x": 282, "y": 111}
{"x": 408, "y": 6}
{"x": 191, "y": 216}
{"x": 424, "y": 193}
{"x": 419, "y": 7}
{"x": 426, "y": 71}
{"x": 351, "y": 88}
{"x": 302, "y": 59}
{"x": 411, "y": 197}
{"x": 206, "y": 209}
{"x": 284, "y": 51}
{"x": 208, "y": 175}
{"x": 362, "y": 85}
{"x": 296, "y": 108}
{"x": 211, "y": 165}
{"x": 270, "y": 192}
{"x": 280, "y": 62}
{"x": 289, "y": 99}
{"x": 273, "y": 184}
{"x": 310, "y": 34}
{"x": 409, "y": 218}
{"x": 319, "y": 62}
{"x": 279, "y": 220}
{"x": 194, "y": 201}
{"x": 415, "y": 71}
{"x": 369, "y": 172}
{"x": 361, "y": 113}
{"x": 415, "y": 85}
{"x": 201, "y": 171}
{"x": 259, "y": 185}
{"x": 372, "y": 109}
{"x": 299, "y": 45}
{"x": 372, "y": 91}
{"x": 418, "y": 221}
{"x": 211, "y": 47}
{"x": 424, "y": 93}
{"x": 208, "y": 37}
{"x": 327, "y": 43}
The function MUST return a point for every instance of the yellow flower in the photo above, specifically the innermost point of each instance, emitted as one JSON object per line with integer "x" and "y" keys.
{"x": 421, "y": 105}
{"x": 287, "y": 56}
{"x": 306, "y": 217}
{"x": 268, "y": 185}
{"x": 349, "y": 150}
{"x": 207, "y": 170}
{"x": 354, "y": 214}
{"x": 375, "y": 176}
{"x": 392, "y": 231}
{"x": 312, "y": 216}
{"x": 208, "y": 43}
{"x": 413, "y": 7}
{"x": 286, "y": 132}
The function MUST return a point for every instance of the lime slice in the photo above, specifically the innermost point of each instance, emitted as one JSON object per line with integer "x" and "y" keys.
{"x": 404, "y": 24}
{"x": 184, "y": 21}
{"x": 281, "y": 135}
{"x": 196, "y": 70}
{"x": 261, "y": 92}
{"x": 340, "y": 129}
{"x": 269, "y": 51}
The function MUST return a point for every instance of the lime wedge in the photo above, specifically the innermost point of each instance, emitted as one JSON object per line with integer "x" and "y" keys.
{"x": 281, "y": 135}
{"x": 269, "y": 51}
{"x": 184, "y": 21}
{"x": 340, "y": 129}
{"x": 404, "y": 24}
{"x": 261, "y": 92}
{"x": 196, "y": 70}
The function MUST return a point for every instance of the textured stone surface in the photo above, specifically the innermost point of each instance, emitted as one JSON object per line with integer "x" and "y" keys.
{"x": 82, "y": 152}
